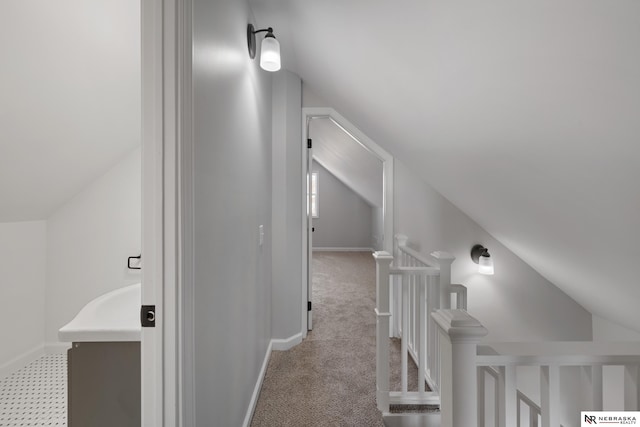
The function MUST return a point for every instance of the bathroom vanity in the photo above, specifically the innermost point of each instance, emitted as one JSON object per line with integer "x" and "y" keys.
{"x": 103, "y": 384}
{"x": 104, "y": 361}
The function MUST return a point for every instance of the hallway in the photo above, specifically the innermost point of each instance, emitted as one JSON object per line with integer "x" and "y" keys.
{"x": 329, "y": 379}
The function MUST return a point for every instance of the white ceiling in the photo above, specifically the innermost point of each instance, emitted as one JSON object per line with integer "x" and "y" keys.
{"x": 526, "y": 115}
{"x": 70, "y": 103}
{"x": 347, "y": 160}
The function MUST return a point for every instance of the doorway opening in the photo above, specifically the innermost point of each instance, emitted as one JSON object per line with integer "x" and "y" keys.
{"x": 349, "y": 202}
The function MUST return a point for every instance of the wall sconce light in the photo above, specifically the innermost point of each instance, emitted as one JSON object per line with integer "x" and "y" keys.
{"x": 269, "y": 51}
{"x": 480, "y": 255}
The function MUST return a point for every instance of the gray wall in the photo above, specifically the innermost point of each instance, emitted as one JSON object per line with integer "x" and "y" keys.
{"x": 515, "y": 304}
{"x": 232, "y": 178}
{"x": 344, "y": 218}
{"x": 377, "y": 228}
{"x": 286, "y": 298}
{"x": 605, "y": 330}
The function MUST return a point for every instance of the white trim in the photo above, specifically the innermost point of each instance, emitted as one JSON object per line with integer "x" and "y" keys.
{"x": 21, "y": 361}
{"x": 158, "y": 39}
{"x": 56, "y": 347}
{"x": 387, "y": 194}
{"x": 343, "y": 250}
{"x": 286, "y": 343}
{"x": 274, "y": 344}
{"x": 258, "y": 387}
{"x": 305, "y": 232}
{"x": 185, "y": 338}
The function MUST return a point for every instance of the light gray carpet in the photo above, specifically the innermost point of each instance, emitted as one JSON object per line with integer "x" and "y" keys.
{"x": 329, "y": 379}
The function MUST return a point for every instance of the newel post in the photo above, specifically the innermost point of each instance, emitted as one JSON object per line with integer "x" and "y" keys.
{"x": 445, "y": 259}
{"x": 401, "y": 240}
{"x": 383, "y": 261}
{"x": 459, "y": 334}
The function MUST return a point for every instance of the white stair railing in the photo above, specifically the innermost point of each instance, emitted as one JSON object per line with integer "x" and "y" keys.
{"x": 409, "y": 289}
{"x": 495, "y": 401}
{"x": 383, "y": 262}
{"x": 534, "y": 411}
{"x": 501, "y": 361}
{"x": 419, "y": 291}
{"x": 459, "y": 334}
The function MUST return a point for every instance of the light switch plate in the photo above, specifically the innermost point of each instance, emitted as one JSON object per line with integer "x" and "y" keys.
{"x": 261, "y": 231}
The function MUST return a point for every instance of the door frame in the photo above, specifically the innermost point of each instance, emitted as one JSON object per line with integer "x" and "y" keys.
{"x": 166, "y": 350}
{"x": 309, "y": 113}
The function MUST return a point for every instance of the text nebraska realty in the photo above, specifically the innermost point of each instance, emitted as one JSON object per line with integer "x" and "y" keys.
{"x": 619, "y": 420}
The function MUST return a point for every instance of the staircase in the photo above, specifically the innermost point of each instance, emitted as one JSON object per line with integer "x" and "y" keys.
{"x": 461, "y": 384}
{"x": 409, "y": 288}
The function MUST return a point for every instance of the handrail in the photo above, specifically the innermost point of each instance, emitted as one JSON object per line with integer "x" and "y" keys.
{"x": 423, "y": 271}
{"x": 559, "y": 348}
{"x": 560, "y": 360}
{"x": 534, "y": 410}
{"x": 410, "y": 289}
{"x": 560, "y": 353}
{"x": 415, "y": 254}
{"x": 550, "y": 357}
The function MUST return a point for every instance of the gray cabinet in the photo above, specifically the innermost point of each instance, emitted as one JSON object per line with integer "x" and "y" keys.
{"x": 104, "y": 384}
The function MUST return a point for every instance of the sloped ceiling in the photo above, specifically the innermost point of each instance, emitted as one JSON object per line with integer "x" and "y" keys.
{"x": 526, "y": 115}
{"x": 70, "y": 98}
{"x": 347, "y": 160}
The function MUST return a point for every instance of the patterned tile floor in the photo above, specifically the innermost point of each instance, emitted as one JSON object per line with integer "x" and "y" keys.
{"x": 36, "y": 395}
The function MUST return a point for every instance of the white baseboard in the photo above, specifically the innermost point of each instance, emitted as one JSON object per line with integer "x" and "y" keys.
{"x": 287, "y": 343}
{"x": 343, "y": 250}
{"x": 56, "y": 347}
{"x": 21, "y": 361}
{"x": 274, "y": 344}
{"x": 256, "y": 390}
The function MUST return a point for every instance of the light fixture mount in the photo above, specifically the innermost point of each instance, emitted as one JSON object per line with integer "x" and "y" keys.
{"x": 251, "y": 38}
{"x": 251, "y": 41}
{"x": 477, "y": 251}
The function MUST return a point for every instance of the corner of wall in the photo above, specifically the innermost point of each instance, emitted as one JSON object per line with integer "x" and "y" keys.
{"x": 89, "y": 239}
{"x": 287, "y": 201}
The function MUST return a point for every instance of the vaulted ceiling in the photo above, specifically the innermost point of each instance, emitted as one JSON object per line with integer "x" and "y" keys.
{"x": 70, "y": 98}
{"x": 526, "y": 115}
{"x": 347, "y": 160}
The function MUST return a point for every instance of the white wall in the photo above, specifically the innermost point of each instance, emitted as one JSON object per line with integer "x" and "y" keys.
{"x": 286, "y": 298}
{"x": 344, "y": 218}
{"x": 70, "y": 98}
{"x": 232, "y": 127}
{"x": 515, "y": 304}
{"x": 22, "y": 288}
{"x": 88, "y": 241}
{"x": 377, "y": 228}
{"x": 605, "y": 330}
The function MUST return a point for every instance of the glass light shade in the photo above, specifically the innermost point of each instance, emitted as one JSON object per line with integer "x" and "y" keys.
{"x": 270, "y": 54}
{"x": 485, "y": 265}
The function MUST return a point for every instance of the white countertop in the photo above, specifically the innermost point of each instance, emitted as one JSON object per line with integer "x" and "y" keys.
{"x": 114, "y": 316}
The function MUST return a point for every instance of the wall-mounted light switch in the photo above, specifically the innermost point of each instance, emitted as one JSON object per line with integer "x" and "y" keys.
{"x": 261, "y": 232}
